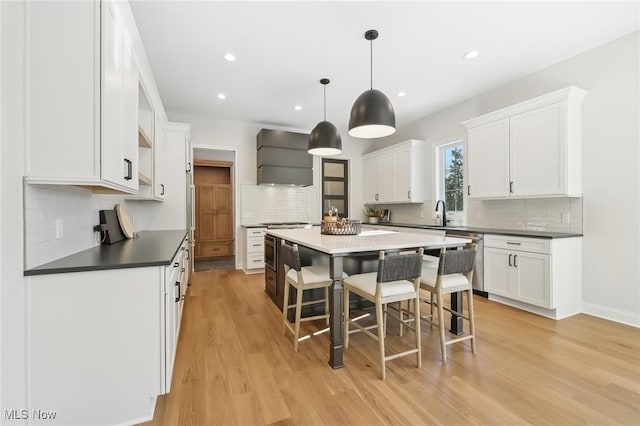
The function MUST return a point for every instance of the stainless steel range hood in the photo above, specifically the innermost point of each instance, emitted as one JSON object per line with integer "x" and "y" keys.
{"x": 282, "y": 158}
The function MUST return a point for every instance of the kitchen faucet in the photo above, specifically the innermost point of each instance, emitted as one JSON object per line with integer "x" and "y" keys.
{"x": 444, "y": 211}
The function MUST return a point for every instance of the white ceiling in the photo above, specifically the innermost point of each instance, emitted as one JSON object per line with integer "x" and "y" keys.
{"x": 283, "y": 49}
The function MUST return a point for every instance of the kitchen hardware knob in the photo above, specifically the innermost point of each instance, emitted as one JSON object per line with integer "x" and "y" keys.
{"x": 510, "y": 260}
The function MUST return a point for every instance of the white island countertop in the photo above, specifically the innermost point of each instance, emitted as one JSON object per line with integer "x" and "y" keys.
{"x": 363, "y": 242}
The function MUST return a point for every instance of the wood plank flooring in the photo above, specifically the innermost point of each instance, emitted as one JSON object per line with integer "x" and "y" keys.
{"x": 234, "y": 366}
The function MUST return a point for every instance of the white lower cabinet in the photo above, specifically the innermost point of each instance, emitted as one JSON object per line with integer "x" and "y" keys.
{"x": 101, "y": 344}
{"x": 543, "y": 276}
{"x": 254, "y": 250}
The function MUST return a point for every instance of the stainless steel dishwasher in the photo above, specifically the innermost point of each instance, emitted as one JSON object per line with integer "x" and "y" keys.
{"x": 478, "y": 273}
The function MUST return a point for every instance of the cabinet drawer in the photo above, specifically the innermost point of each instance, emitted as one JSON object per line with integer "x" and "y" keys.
{"x": 255, "y": 245}
{"x": 255, "y": 260}
{"x": 256, "y": 232}
{"x": 270, "y": 281}
{"x": 213, "y": 249}
{"x": 534, "y": 245}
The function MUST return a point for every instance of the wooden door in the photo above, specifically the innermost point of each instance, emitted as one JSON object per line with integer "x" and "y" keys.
{"x": 214, "y": 210}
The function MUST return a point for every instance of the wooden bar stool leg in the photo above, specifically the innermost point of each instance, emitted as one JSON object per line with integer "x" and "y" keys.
{"x": 443, "y": 346}
{"x": 472, "y": 328}
{"x": 298, "y": 314}
{"x": 285, "y": 306}
{"x": 416, "y": 319}
{"x": 326, "y": 303}
{"x": 380, "y": 321}
{"x": 345, "y": 320}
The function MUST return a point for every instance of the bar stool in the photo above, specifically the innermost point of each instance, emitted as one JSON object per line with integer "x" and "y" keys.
{"x": 453, "y": 273}
{"x": 397, "y": 279}
{"x": 302, "y": 278}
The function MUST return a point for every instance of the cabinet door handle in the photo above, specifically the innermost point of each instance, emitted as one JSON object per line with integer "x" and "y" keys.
{"x": 129, "y": 175}
{"x": 409, "y": 195}
{"x": 510, "y": 260}
{"x": 189, "y": 167}
{"x": 188, "y": 252}
{"x": 377, "y": 196}
{"x": 257, "y": 245}
{"x": 162, "y": 186}
{"x": 179, "y": 291}
{"x": 515, "y": 260}
{"x": 513, "y": 243}
{"x": 176, "y": 264}
{"x": 511, "y": 187}
{"x": 468, "y": 189}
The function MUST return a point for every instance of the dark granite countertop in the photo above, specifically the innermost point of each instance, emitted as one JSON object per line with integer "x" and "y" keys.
{"x": 516, "y": 232}
{"x": 149, "y": 248}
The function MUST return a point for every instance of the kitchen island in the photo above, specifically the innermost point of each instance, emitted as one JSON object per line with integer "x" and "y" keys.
{"x": 337, "y": 247}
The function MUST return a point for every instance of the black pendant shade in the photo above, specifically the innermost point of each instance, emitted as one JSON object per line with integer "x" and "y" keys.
{"x": 324, "y": 138}
{"x": 372, "y": 114}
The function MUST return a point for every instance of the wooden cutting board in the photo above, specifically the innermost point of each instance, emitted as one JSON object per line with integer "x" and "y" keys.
{"x": 125, "y": 221}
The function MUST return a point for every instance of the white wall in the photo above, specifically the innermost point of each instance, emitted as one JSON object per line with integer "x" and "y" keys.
{"x": 12, "y": 288}
{"x": 611, "y": 182}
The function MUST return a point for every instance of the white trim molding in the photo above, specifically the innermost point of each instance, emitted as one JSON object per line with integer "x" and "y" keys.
{"x": 616, "y": 315}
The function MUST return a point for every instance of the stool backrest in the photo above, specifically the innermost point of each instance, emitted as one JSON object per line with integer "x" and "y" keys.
{"x": 396, "y": 267}
{"x": 290, "y": 256}
{"x": 457, "y": 261}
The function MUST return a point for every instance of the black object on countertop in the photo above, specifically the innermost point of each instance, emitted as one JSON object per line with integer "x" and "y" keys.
{"x": 149, "y": 248}
{"x": 110, "y": 231}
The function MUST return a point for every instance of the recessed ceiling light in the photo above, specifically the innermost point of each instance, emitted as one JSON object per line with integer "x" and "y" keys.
{"x": 471, "y": 54}
{"x": 401, "y": 94}
{"x": 229, "y": 57}
{"x": 222, "y": 96}
{"x": 297, "y": 108}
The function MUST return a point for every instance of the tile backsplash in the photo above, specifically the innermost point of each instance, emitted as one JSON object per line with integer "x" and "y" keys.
{"x": 278, "y": 204}
{"x": 543, "y": 214}
{"x": 59, "y": 221}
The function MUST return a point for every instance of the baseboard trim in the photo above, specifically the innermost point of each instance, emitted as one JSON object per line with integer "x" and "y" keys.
{"x": 616, "y": 315}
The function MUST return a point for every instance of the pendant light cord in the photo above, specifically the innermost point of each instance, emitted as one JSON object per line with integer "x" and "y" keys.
{"x": 371, "y": 61}
{"x": 325, "y": 102}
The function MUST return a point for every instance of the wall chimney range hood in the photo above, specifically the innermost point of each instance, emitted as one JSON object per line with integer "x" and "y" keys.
{"x": 282, "y": 158}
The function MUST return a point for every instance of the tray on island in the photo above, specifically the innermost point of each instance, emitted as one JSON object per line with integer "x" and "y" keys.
{"x": 341, "y": 227}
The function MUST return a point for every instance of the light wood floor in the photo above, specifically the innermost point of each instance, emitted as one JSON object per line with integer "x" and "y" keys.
{"x": 235, "y": 367}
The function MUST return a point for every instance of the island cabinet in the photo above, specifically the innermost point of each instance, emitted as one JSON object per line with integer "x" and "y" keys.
{"x": 102, "y": 343}
{"x": 541, "y": 275}
{"x": 531, "y": 149}
{"x": 82, "y": 103}
{"x": 395, "y": 174}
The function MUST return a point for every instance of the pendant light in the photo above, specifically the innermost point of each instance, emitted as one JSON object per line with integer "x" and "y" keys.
{"x": 372, "y": 115}
{"x": 325, "y": 138}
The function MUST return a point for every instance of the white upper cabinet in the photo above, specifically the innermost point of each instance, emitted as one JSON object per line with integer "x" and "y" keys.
{"x": 83, "y": 93}
{"x": 488, "y": 160}
{"x": 395, "y": 174}
{"x": 531, "y": 149}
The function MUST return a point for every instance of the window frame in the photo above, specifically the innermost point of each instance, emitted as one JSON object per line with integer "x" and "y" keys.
{"x": 345, "y": 180}
{"x": 440, "y": 151}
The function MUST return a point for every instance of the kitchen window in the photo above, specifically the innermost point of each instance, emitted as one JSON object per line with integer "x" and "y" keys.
{"x": 450, "y": 176}
{"x": 335, "y": 186}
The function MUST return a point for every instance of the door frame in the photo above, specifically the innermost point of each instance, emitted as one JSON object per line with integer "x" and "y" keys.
{"x": 234, "y": 195}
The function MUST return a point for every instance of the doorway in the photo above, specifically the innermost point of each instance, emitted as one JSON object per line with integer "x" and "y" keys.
{"x": 214, "y": 213}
